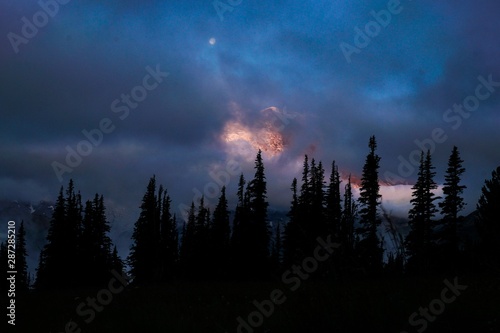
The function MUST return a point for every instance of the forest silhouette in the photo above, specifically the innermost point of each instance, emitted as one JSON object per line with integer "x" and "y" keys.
{"x": 212, "y": 247}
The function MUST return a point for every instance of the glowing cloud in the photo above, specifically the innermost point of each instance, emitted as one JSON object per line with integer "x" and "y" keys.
{"x": 243, "y": 138}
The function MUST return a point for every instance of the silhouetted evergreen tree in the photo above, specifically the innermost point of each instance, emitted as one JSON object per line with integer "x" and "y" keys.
{"x": 154, "y": 252}
{"x": 87, "y": 245}
{"x": 349, "y": 214}
{"x": 488, "y": 221}
{"x": 22, "y": 283}
{"x": 305, "y": 206}
{"x": 333, "y": 203}
{"x": 310, "y": 217}
{"x": 305, "y": 188}
{"x": 188, "y": 247}
{"x": 312, "y": 213}
{"x": 294, "y": 238}
{"x": 451, "y": 206}
{"x": 116, "y": 262}
{"x": 200, "y": 244}
{"x": 349, "y": 262}
{"x": 169, "y": 240}
{"x": 59, "y": 264}
{"x": 78, "y": 250}
{"x": 95, "y": 244}
{"x": 219, "y": 237}
{"x": 256, "y": 237}
{"x": 240, "y": 225}
{"x": 143, "y": 257}
{"x": 238, "y": 215}
{"x": 73, "y": 229}
{"x": 317, "y": 214}
{"x": 369, "y": 248}
{"x": 251, "y": 235}
{"x": 157, "y": 228}
{"x": 419, "y": 242}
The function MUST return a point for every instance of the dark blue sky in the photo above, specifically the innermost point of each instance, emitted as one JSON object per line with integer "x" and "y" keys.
{"x": 88, "y": 65}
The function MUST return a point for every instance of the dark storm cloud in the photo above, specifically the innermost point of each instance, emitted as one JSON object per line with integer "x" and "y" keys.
{"x": 283, "y": 53}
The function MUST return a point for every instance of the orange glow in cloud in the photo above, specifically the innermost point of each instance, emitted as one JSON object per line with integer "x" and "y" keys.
{"x": 245, "y": 139}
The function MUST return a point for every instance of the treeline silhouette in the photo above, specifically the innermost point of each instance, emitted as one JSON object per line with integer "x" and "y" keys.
{"x": 79, "y": 252}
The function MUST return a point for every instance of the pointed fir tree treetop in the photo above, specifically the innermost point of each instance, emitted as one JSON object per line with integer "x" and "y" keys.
{"x": 453, "y": 202}
{"x": 369, "y": 196}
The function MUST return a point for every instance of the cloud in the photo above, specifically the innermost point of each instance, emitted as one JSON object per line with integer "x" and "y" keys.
{"x": 284, "y": 54}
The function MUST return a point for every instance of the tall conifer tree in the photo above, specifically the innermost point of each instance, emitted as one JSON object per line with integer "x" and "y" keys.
{"x": 317, "y": 215}
{"x": 258, "y": 233}
{"x": 451, "y": 207}
{"x": 117, "y": 263}
{"x": 294, "y": 235}
{"x": 333, "y": 202}
{"x": 58, "y": 264}
{"x": 169, "y": 240}
{"x": 240, "y": 225}
{"x": 370, "y": 249}
{"x": 347, "y": 221}
{"x": 419, "y": 242}
{"x": 188, "y": 252}
{"x": 95, "y": 244}
{"x": 22, "y": 279}
{"x": 219, "y": 236}
{"x": 488, "y": 222}
{"x": 143, "y": 256}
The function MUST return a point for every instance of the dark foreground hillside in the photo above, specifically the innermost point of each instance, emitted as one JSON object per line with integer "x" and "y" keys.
{"x": 316, "y": 306}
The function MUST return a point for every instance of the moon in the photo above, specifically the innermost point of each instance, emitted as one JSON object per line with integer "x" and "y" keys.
{"x": 212, "y": 41}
